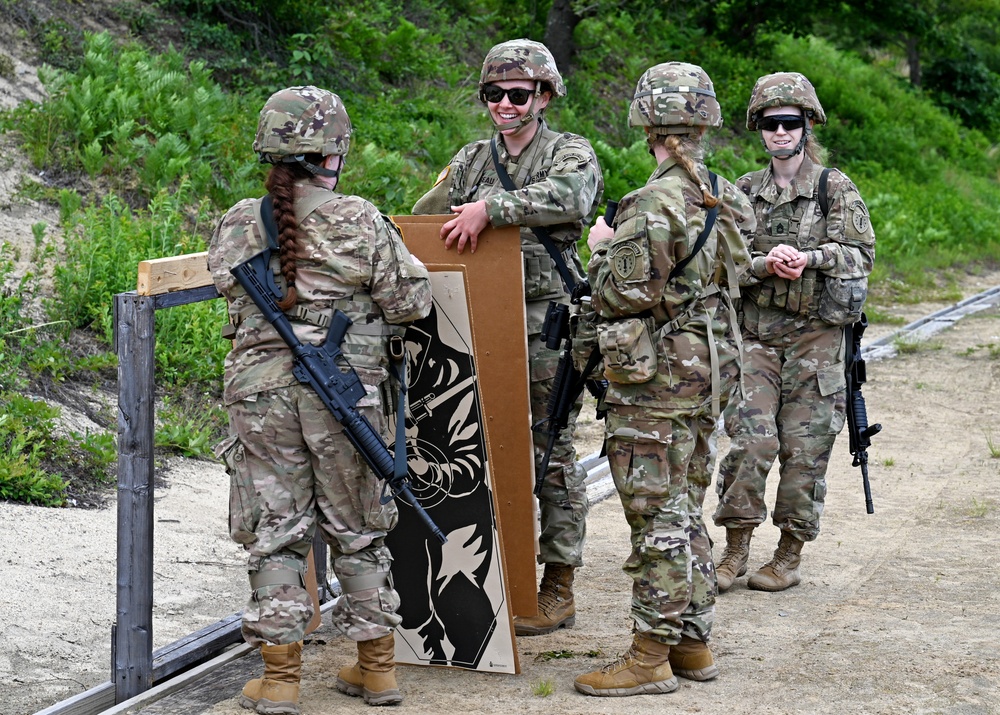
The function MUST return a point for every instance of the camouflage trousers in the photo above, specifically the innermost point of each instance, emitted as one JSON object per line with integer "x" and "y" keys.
{"x": 562, "y": 503}
{"x": 661, "y": 462}
{"x": 795, "y": 407}
{"x": 292, "y": 471}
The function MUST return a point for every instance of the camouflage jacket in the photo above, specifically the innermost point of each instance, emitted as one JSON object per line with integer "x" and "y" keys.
{"x": 655, "y": 228}
{"x": 839, "y": 245}
{"x": 562, "y": 187}
{"x": 353, "y": 258}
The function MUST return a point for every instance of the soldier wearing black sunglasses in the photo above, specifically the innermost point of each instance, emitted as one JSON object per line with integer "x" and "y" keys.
{"x": 811, "y": 256}
{"x": 550, "y": 184}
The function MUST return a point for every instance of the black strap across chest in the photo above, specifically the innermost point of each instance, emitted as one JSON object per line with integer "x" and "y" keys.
{"x": 540, "y": 231}
{"x": 703, "y": 236}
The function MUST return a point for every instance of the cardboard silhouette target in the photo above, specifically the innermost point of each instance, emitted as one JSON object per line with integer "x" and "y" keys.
{"x": 470, "y": 459}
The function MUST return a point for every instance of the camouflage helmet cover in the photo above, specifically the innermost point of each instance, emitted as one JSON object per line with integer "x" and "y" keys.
{"x": 302, "y": 120}
{"x": 522, "y": 59}
{"x": 675, "y": 94}
{"x": 784, "y": 89}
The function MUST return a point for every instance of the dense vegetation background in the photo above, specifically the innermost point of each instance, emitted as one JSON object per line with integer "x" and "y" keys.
{"x": 145, "y": 144}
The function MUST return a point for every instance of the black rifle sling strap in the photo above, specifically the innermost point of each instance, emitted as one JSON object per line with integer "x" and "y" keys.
{"x": 539, "y": 231}
{"x": 824, "y": 200}
{"x": 703, "y": 236}
{"x": 267, "y": 222}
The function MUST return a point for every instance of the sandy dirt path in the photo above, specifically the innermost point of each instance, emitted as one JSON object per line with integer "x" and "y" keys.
{"x": 898, "y": 611}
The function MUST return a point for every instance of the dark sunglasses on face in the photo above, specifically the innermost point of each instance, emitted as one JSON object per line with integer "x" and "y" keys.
{"x": 790, "y": 122}
{"x": 518, "y": 96}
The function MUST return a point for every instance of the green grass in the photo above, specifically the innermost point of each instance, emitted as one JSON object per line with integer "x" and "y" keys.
{"x": 993, "y": 445}
{"x": 543, "y": 688}
{"x": 159, "y": 146}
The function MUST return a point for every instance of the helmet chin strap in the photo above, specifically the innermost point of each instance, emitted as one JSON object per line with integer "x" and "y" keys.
{"x": 786, "y": 153}
{"x": 789, "y": 153}
{"x": 527, "y": 118}
{"x": 313, "y": 169}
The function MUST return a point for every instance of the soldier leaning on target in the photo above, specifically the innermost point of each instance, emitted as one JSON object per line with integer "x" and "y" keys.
{"x": 555, "y": 186}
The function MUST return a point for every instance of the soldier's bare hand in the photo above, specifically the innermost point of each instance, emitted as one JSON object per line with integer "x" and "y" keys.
{"x": 599, "y": 232}
{"x": 465, "y": 228}
{"x": 785, "y": 262}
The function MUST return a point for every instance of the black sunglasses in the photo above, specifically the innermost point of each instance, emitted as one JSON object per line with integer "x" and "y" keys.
{"x": 518, "y": 96}
{"x": 790, "y": 122}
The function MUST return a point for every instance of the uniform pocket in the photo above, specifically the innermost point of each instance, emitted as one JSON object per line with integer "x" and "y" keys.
{"x": 628, "y": 350}
{"x": 831, "y": 379}
{"x": 244, "y": 511}
{"x": 842, "y": 299}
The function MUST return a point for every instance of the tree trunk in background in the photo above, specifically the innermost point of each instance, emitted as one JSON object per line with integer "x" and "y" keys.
{"x": 913, "y": 60}
{"x": 559, "y": 32}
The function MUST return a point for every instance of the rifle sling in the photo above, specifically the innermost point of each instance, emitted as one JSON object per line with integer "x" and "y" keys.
{"x": 541, "y": 233}
{"x": 703, "y": 236}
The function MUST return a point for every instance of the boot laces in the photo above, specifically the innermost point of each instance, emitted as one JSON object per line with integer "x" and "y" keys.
{"x": 781, "y": 557}
{"x": 548, "y": 601}
{"x": 625, "y": 660}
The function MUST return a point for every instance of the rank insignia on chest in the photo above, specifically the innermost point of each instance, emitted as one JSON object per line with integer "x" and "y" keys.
{"x": 779, "y": 229}
{"x": 624, "y": 259}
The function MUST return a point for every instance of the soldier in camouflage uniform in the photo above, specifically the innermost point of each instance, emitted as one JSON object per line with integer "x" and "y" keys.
{"x": 668, "y": 337}
{"x": 812, "y": 254}
{"x": 292, "y": 468}
{"x": 560, "y": 187}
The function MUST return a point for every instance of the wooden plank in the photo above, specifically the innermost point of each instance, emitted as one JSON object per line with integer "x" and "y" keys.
{"x": 502, "y": 362}
{"x": 100, "y": 698}
{"x": 133, "y": 638}
{"x": 165, "y": 275}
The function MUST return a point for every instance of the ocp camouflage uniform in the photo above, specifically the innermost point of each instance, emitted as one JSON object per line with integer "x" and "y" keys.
{"x": 660, "y": 444}
{"x": 562, "y": 187}
{"x": 793, "y": 360}
{"x": 292, "y": 468}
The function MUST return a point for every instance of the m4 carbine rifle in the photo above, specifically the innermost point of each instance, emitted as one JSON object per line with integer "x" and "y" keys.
{"x": 569, "y": 382}
{"x": 320, "y": 367}
{"x": 859, "y": 431}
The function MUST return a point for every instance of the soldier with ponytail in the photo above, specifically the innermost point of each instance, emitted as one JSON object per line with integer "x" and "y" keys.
{"x": 293, "y": 471}
{"x": 665, "y": 278}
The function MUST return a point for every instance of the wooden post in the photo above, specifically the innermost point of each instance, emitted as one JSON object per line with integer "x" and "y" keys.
{"x": 133, "y": 641}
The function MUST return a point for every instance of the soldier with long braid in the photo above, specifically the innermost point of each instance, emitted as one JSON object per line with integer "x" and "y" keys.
{"x": 293, "y": 470}
{"x": 664, "y": 281}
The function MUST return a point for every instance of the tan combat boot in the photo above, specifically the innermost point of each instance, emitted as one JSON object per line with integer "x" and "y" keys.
{"x": 643, "y": 670}
{"x": 782, "y": 571}
{"x": 733, "y": 563}
{"x": 277, "y": 691}
{"x": 556, "y": 608}
{"x": 692, "y": 659}
{"x": 374, "y": 675}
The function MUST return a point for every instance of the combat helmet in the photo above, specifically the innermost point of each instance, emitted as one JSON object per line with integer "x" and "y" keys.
{"x": 302, "y": 120}
{"x": 672, "y": 97}
{"x": 522, "y": 59}
{"x": 784, "y": 89}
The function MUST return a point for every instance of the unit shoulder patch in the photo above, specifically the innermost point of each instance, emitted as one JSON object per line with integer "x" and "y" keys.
{"x": 624, "y": 258}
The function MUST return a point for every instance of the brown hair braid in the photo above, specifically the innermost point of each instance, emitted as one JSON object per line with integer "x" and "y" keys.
{"x": 685, "y": 149}
{"x": 281, "y": 185}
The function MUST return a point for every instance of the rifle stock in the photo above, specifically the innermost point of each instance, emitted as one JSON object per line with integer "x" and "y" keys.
{"x": 325, "y": 368}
